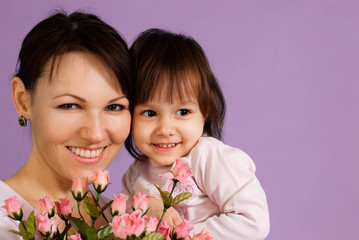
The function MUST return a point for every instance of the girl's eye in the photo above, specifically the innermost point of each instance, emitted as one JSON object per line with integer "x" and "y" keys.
{"x": 115, "y": 107}
{"x": 149, "y": 113}
{"x": 182, "y": 112}
{"x": 68, "y": 106}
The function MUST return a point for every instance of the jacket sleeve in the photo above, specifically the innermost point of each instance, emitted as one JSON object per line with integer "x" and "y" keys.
{"x": 126, "y": 188}
{"x": 7, "y": 224}
{"x": 227, "y": 176}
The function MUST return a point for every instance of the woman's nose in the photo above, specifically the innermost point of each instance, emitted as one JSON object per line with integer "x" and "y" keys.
{"x": 166, "y": 127}
{"x": 94, "y": 129}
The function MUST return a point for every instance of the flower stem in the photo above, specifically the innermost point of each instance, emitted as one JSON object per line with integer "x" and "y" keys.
{"x": 78, "y": 208}
{"x": 97, "y": 198}
{"x": 173, "y": 187}
{"x": 166, "y": 207}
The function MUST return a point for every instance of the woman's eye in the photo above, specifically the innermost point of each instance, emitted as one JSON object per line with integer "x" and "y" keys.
{"x": 149, "y": 113}
{"x": 68, "y": 106}
{"x": 182, "y": 112}
{"x": 115, "y": 107}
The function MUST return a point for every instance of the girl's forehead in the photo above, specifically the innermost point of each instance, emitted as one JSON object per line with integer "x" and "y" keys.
{"x": 173, "y": 94}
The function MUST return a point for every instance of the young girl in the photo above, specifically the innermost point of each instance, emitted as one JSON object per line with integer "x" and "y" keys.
{"x": 178, "y": 112}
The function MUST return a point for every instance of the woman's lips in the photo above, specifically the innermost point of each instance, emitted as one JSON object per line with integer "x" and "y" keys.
{"x": 87, "y": 156}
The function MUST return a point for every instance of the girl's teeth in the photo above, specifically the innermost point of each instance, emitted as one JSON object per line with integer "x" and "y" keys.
{"x": 166, "y": 145}
{"x": 86, "y": 153}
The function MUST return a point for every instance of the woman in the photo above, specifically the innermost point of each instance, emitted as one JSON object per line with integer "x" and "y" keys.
{"x": 73, "y": 85}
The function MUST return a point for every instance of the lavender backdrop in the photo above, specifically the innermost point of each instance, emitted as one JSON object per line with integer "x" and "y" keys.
{"x": 289, "y": 72}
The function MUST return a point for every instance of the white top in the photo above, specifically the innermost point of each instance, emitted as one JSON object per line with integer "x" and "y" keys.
{"x": 228, "y": 199}
{"x": 6, "y": 223}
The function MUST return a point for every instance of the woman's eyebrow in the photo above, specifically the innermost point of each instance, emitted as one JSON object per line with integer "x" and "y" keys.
{"x": 70, "y": 95}
{"x": 117, "y": 98}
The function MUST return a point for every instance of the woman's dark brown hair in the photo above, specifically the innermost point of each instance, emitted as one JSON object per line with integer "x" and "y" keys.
{"x": 59, "y": 34}
{"x": 177, "y": 63}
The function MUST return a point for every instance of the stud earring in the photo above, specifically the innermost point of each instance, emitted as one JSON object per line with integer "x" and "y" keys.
{"x": 22, "y": 121}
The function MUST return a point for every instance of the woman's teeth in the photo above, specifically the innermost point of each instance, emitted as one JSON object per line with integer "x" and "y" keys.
{"x": 86, "y": 153}
{"x": 166, "y": 145}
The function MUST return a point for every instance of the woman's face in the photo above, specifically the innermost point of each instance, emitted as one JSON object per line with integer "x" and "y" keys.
{"x": 79, "y": 119}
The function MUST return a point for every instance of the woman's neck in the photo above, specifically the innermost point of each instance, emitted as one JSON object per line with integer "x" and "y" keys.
{"x": 35, "y": 179}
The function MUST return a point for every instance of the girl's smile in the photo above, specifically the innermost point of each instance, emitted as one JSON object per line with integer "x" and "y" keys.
{"x": 165, "y": 131}
{"x": 166, "y": 147}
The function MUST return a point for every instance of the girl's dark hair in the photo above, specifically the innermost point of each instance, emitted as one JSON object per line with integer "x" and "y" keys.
{"x": 59, "y": 34}
{"x": 177, "y": 63}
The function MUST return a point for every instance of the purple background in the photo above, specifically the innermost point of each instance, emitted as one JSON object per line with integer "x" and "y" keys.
{"x": 289, "y": 71}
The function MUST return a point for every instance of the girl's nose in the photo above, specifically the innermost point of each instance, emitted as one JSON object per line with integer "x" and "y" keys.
{"x": 93, "y": 129}
{"x": 166, "y": 127}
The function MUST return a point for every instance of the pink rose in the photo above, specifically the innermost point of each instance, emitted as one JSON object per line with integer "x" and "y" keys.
{"x": 118, "y": 206}
{"x": 151, "y": 224}
{"x": 13, "y": 208}
{"x": 180, "y": 172}
{"x": 75, "y": 237}
{"x": 183, "y": 229}
{"x": 47, "y": 205}
{"x": 128, "y": 224}
{"x": 204, "y": 235}
{"x": 101, "y": 181}
{"x": 164, "y": 229}
{"x": 45, "y": 225}
{"x": 63, "y": 207}
{"x": 79, "y": 188}
{"x": 140, "y": 201}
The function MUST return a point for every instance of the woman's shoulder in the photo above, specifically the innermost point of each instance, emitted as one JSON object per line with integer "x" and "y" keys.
{"x": 6, "y": 192}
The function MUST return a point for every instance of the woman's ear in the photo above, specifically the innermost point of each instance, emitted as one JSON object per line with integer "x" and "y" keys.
{"x": 20, "y": 97}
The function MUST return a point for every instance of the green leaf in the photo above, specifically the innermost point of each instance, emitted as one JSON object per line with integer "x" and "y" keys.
{"x": 90, "y": 208}
{"x": 105, "y": 233}
{"x": 78, "y": 224}
{"x": 30, "y": 225}
{"x": 154, "y": 236}
{"x": 71, "y": 232}
{"x": 23, "y": 231}
{"x": 91, "y": 234}
{"x": 16, "y": 232}
{"x": 165, "y": 196}
{"x": 181, "y": 197}
{"x": 105, "y": 207}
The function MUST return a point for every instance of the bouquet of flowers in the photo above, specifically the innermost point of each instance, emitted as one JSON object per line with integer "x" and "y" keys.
{"x": 134, "y": 225}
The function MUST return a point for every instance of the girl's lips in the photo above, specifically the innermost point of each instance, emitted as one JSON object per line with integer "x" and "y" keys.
{"x": 87, "y": 156}
{"x": 165, "y": 147}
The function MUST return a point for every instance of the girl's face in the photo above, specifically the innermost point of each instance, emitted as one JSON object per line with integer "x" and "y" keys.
{"x": 80, "y": 119}
{"x": 165, "y": 131}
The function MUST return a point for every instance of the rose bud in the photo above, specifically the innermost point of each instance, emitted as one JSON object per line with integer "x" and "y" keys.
{"x": 101, "y": 181}
{"x": 63, "y": 207}
{"x": 47, "y": 205}
{"x": 180, "y": 172}
{"x": 183, "y": 229}
{"x": 79, "y": 188}
{"x": 204, "y": 235}
{"x": 75, "y": 237}
{"x": 45, "y": 225}
{"x": 151, "y": 224}
{"x": 164, "y": 229}
{"x": 140, "y": 201}
{"x": 136, "y": 224}
{"x": 13, "y": 208}
{"x": 118, "y": 206}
